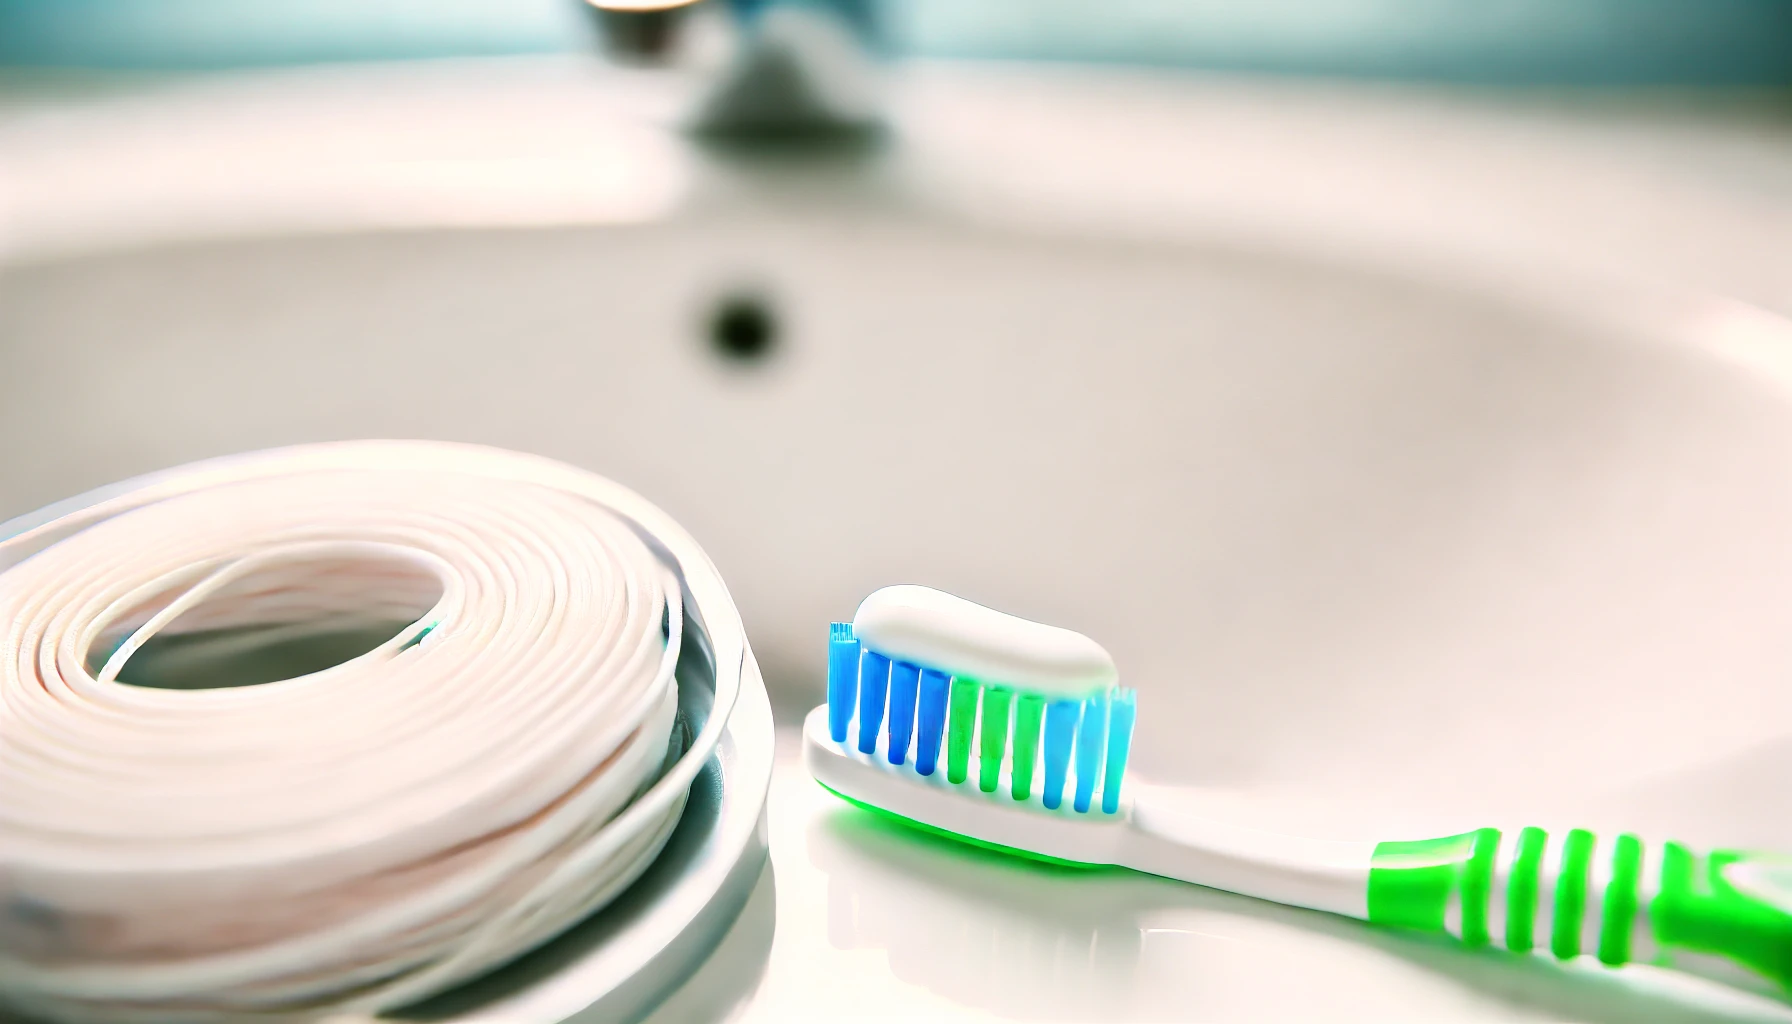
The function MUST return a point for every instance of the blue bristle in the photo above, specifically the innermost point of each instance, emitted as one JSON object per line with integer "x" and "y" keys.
{"x": 874, "y": 682}
{"x": 1089, "y": 736}
{"x": 930, "y": 719}
{"x": 843, "y": 678}
{"x": 905, "y": 681}
{"x": 1060, "y": 732}
{"x": 1119, "y": 741}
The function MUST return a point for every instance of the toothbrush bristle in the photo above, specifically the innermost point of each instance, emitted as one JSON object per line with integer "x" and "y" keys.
{"x": 843, "y": 679}
{"x": 1028, "y": 709}
{"x": 995, "y": 736}
{"x": 1120, "y": 716}
{"x": 959, "y": 725}
{"x": 930, "y": 719}
{"x": 1086, "y": 741}
{"x": 1060, "y": 735}
{"x": 874, "y": 681}
{"x": 1090, "y": 733}
{"x": 905, "y": 683}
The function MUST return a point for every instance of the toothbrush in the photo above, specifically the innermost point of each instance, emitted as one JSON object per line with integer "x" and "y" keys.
{"x": 919, "y": 673}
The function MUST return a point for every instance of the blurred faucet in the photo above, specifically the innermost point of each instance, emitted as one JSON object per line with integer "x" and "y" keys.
{"x": 800, "y": 69}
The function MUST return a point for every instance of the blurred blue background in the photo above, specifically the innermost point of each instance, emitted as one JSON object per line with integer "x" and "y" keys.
{"x": 1720, "y": 42}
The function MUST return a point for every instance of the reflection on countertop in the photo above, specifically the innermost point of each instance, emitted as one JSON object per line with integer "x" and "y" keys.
{"x": 875, "y": 921}
{"x": 976, "y": 927}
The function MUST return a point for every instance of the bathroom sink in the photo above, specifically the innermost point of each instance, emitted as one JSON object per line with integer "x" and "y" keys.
{"x": 1422, "y": 461}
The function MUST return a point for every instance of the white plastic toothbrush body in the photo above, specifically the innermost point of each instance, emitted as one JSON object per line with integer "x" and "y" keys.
{"x": 1153, "y": 831}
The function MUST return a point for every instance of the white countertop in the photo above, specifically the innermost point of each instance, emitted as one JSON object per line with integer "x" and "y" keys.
{"x": 860, "y": 918}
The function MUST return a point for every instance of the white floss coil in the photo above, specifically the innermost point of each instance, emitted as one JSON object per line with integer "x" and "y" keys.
{"x": 373, "y": 832}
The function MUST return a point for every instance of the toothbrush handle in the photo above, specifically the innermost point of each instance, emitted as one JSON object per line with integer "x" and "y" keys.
{"x": 1569, "y": 894}
{"x": 1620, "y": 899}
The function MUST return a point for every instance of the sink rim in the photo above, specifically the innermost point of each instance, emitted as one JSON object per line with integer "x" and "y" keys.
{"x": 1574, "y": 193}
{"x": 95, "y": 166}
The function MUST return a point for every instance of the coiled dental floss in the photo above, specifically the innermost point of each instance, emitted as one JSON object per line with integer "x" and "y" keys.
{"x": 371, "y": 833}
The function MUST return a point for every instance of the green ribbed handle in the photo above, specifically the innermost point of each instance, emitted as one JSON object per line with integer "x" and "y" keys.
{"x": 1621, "y": 899}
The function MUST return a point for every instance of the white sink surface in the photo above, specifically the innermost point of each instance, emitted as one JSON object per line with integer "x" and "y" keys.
{"x": 1423, "y": 462}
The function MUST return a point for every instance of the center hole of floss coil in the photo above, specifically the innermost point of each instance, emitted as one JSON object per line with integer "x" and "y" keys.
{"x": 279, "y": 618}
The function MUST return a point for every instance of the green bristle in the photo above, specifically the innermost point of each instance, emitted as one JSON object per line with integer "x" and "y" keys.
{"x": 1029, "y": 709}
{"x": 962, "y": 716}
{"x": 995, "y": 736}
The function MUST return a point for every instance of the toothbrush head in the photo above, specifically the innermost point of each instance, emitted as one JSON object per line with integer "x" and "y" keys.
{"x": 920, "y": 677}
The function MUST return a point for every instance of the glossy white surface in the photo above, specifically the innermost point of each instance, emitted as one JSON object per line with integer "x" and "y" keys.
{"x": 875, "y": 921}
{"x": 1422, "y": 459}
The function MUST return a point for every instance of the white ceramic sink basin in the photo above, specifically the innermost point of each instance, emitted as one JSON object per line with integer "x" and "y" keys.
{"x": 1405, "y": 498}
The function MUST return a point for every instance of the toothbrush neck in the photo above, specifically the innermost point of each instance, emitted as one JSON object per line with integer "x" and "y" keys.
{"x": 1174, "y": 837}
